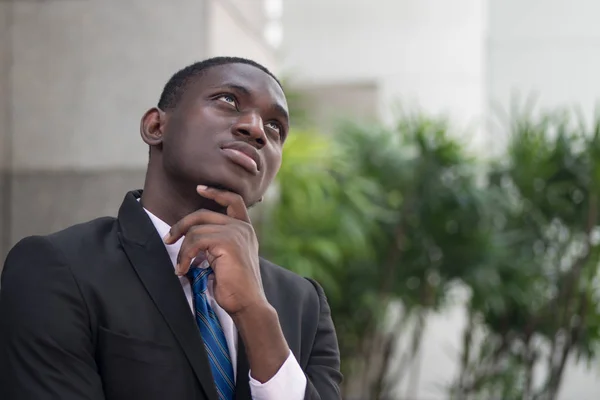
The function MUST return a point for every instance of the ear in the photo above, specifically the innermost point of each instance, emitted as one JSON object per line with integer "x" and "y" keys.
{"x": 152, "y": 126}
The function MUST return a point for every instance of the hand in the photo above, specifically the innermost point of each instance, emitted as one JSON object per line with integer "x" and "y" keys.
{"x": 231, "y": 248}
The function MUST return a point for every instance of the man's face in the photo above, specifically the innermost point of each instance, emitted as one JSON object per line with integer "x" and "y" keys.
{"x": 228, "y": 131}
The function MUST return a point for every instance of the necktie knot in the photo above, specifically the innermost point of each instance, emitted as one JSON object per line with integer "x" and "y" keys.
{"x": 198, "y": 278}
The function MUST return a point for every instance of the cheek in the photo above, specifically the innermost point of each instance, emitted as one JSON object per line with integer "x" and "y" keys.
{"x": 173, "y": 146}
{"x": 273, "y": 162}
{"x": 188, "y": 142}
{"x": 179, "y": 153}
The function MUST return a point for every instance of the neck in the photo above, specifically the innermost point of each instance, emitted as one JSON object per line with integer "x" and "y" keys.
{"x": 171, "y": 200}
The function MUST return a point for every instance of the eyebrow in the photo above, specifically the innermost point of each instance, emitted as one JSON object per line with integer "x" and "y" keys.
{"x": 278, "y": 108}
{"x": 237, "y": 88}
{"x": 244, "y": 90}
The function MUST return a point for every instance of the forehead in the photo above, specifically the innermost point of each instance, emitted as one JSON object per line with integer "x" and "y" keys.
{"x": 260, "y": 84}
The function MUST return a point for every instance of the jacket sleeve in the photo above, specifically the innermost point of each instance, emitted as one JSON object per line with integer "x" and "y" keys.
{"x": 323, "y": 370}
{"x": 46, "y": 346}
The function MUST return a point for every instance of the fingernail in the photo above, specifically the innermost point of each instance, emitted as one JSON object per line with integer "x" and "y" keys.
{"x": 167, "y": 237}
{"x": 201, "y": 187}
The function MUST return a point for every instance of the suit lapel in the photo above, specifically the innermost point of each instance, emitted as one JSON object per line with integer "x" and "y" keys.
{"x": 149, "y": 258}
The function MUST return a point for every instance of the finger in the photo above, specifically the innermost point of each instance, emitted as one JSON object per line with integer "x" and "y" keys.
{"x": 194, "y": 246}
{"x": 200, "y": 217}
{"x": 236, "y": 208}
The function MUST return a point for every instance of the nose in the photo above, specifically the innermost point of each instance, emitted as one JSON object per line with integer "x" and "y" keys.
{"x": 250, "y": 127}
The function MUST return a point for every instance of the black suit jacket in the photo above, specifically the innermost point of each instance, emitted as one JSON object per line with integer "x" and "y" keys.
{"x": 96, "y": 312}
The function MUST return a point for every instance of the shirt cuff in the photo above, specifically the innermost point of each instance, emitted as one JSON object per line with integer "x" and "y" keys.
{"x": 288, "y": 383}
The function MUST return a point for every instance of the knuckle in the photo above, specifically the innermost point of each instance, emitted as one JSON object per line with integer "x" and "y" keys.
{"x": 189, "y": 253}
{"x": 194, "y": 232}
{"x": 204, "y": 211}
{"x": 180, "y": 227}
{"x": 245, "y": 232}
{"x": 248, "y": 228}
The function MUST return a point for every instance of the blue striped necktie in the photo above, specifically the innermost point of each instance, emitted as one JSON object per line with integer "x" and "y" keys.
{"x": 212, "y": 334}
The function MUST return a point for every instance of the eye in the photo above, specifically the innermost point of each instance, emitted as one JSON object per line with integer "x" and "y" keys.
{"x": 275, "y": 127}
{"x": 227, "y": 98}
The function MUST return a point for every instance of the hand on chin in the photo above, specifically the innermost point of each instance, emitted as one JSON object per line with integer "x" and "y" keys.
{"x": 231, "y": 247}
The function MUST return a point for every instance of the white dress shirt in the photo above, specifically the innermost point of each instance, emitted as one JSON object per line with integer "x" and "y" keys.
{"x": 288, "y": 383}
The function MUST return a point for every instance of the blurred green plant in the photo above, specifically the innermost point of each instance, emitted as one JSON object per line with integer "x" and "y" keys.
{"x": 380, "y": 217}
{"x": 391, "y": 219}
{"x": 545, "y": 307}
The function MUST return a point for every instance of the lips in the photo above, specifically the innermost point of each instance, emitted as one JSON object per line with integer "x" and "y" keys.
{"x": 243, "y": 155}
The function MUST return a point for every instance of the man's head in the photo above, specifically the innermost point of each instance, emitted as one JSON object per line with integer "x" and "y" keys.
{"x": 222, "y": 123}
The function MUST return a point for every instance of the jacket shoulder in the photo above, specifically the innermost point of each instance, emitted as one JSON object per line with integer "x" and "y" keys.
{"x": 66, "y": 244}
{"x": 284, "y": 275}
{"x": 289, "y": 284}
{"x": 90, "y": 229}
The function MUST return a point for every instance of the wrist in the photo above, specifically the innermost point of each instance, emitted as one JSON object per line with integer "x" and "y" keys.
{"x": 259, "y": 311}
{"x": 266, "y": 347}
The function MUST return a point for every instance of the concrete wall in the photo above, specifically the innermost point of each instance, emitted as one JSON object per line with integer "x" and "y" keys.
{"x": 236, "y": 28}
{"x": 83, "y": 73}
{"x": 547, "y": 48}
{"x": 428, "y": 52}
{"x": 5, "y": 63}
{"x": 326, "y": 104}
{"x": 544, "y": 46}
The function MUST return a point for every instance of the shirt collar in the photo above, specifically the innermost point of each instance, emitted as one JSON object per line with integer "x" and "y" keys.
{"x": 163, "y": 228}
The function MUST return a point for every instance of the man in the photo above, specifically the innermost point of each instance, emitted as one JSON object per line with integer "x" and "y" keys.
{"x": 96, "y": 312}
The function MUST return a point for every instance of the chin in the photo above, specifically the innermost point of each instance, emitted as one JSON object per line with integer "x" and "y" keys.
{"x": 229, "y": 177}
{"x": 244, "y": 189}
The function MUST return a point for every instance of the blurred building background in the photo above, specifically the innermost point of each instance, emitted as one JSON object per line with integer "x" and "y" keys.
{"x": 368, "y": 54}
{"x": 76, "y": 76}
{"x": 463, "y": 58}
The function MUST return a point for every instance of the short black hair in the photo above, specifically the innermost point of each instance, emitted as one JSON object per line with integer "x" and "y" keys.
{"x": 179, "y": 82}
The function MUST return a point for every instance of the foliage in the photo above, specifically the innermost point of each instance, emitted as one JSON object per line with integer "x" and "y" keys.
{"x": 546, "y": 308}
{"x": 376, "y": 215}
{"x": 390, "y": 219}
